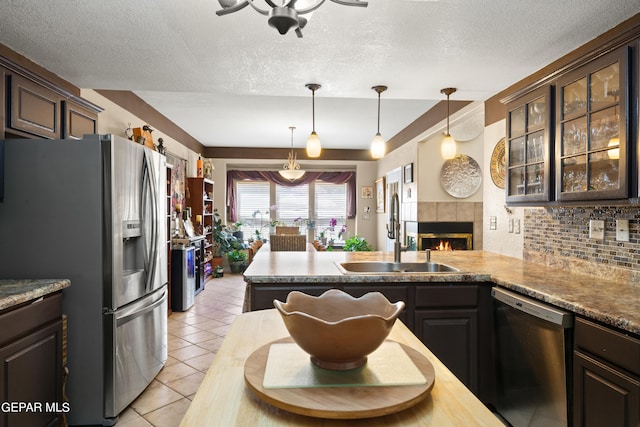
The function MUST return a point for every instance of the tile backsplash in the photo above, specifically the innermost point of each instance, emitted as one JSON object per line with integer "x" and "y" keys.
{"x": 559, "y": 236}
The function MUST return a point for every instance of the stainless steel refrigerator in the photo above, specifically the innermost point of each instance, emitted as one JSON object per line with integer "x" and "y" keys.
{"x": 93, "y": 211}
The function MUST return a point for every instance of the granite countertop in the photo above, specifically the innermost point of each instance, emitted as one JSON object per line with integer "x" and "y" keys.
{"x": 14, "y": 292}
{"x": 613, "y": 302}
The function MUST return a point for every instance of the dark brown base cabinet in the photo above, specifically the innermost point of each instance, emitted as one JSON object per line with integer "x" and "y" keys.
{"x": 31, "y": 355}
{"x": 606, "y": 369}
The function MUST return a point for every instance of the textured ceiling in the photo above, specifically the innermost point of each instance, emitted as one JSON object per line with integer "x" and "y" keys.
{"x": 234, "y": 81}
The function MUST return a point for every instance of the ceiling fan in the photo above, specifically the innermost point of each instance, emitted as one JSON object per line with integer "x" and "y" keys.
{"x": 283, "y": 14}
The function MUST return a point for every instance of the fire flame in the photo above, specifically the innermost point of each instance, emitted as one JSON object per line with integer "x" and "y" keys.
{"x": 443, "y": 246}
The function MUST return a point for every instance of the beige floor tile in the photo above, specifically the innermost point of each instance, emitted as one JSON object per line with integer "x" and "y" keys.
{"x": 207, "y": 326}
{"x": 188, "y": 385}
{"x": 180, "y": 328}
{"x": 170, "y": 415}
{"x": 155, "y": 396}
{"x": 188, "y": 352}
{"x": 201, "y": 362}
{"x": 170, "y": 361}
{"x": 173, "y": 372}
{"x": 212, "y": 345}
{"x": 174, "y": 343}
{"x": 203, "y": 336}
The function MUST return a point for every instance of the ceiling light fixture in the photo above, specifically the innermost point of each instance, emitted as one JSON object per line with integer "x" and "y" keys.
{"x": 291, "y": 170}
{"x": 378, "y": 146}
{"x": 313, "y": 142}
{"x": 283, "y": 14}
{"x": 448, "y": 147}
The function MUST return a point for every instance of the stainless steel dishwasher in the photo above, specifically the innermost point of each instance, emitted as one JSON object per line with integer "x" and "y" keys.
{"x": 533, "y": 360}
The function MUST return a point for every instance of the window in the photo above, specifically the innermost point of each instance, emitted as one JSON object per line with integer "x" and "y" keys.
{"x": 292, "y": 203}
{"x": 318, "y": 201}
{"x": 330, "y": 203}
{"x": 253, "y": 206}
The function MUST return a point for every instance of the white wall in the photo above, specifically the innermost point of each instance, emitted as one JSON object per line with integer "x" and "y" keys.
{"x": 500, "y": 240}
{"x": 115, "y": 119}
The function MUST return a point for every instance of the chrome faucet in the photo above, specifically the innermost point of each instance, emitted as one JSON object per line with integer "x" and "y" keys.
{"x": 393, "y": 228}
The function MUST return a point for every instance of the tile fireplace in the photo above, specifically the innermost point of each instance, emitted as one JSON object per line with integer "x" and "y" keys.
{"x": 439, "y": 235}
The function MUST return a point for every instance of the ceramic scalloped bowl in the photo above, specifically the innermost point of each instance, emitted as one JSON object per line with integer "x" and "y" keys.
{"x": 336, "y": 329}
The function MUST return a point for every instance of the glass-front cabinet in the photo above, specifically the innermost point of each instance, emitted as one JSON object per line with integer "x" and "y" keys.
{"x": 591, "y": 141}
{"x": 528, "y": 154}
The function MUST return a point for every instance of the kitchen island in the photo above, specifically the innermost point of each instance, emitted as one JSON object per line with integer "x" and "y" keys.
{"x": 614, "y": 302}
{"x": 223, "y": 399}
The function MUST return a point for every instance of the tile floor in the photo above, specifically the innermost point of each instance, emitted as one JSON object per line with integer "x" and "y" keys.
{"x": 194, "y": 337}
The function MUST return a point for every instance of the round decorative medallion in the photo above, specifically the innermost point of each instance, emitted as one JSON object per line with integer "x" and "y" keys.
{"x": 461, "y": 176}
{"x": 498, "y": 165}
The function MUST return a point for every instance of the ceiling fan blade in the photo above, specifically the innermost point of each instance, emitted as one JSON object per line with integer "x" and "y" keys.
{"x": 299, "y": 33}
{"x": 351, "y": 2}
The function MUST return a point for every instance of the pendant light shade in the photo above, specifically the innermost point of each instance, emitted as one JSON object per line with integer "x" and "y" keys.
{"x": 314, "y": 148}
{"x": 448, "y": 146}
{"x": 291, "y": 170}
{"x": 378, "y": 144}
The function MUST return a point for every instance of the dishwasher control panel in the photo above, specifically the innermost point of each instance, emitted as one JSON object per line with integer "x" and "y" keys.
{"x": 533, "y": 307}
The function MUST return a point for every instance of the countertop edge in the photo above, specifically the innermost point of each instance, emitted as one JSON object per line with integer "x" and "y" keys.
{"x": 19, "y": 291}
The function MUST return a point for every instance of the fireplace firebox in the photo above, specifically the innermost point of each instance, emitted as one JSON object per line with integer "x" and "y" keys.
{"x": 439, "y": 235}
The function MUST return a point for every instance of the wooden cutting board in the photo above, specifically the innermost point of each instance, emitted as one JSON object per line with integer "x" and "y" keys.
{"x": 350, "y": 402}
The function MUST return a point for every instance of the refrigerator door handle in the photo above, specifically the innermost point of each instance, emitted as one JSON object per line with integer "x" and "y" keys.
{"x": 138, "y": 310}
{"x": 148, "y": 189}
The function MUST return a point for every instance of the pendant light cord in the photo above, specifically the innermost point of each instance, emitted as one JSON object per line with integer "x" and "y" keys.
{"x": 313, "y": 109}
{"x": 378, "y": 112}
{"x": 448, "y": 114}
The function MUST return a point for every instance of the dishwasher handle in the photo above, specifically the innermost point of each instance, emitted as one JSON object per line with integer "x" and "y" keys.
{"x": 534, "y": 308}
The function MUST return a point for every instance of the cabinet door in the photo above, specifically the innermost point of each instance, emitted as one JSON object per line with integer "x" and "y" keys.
{"x": 591, "y": 125}
{"x": 32, "y": 373}
{"x": 529, "y": 142}
{"x": 78, "y": 121}
{"x": 262, "y": 296}
{"x": 603, "y": 397}
{"x": 34, "y": 108}
{"x": 452, "y": 335}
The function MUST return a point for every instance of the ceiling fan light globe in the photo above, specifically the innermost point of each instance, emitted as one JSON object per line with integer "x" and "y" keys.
{"x": 378, "y": 146}
{"x": 314, "y": 148}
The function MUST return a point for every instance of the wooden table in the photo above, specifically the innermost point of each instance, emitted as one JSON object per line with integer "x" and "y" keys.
{"x": 223, "y": 399}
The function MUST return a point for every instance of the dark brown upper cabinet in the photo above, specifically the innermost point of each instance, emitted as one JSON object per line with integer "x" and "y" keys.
{"x": 78, "y": 121}
{"x": 529, "y": 141}
{"x": 591, "y": 130}
{"x": 34, "y": 109}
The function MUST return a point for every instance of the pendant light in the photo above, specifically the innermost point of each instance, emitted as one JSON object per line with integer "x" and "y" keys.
{"x": 291, "y": 170}
{"x": 378, "y": 145}
{"x": 313, "y": 142}
{"x": 448, "y": 147}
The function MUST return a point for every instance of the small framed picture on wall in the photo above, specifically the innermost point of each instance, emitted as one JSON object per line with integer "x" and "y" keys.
{"x": 408, "y": 173}
{"x": 367, "y": 192}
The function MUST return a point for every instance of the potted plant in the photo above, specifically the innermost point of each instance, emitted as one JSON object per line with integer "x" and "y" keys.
{"x": 356, "y": 244}
{"x": 237, "y": 260}
{"x": 237, "y": 230}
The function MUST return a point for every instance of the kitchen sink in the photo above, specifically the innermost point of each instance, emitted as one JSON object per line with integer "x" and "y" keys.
{"x": 381, "y": 267}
